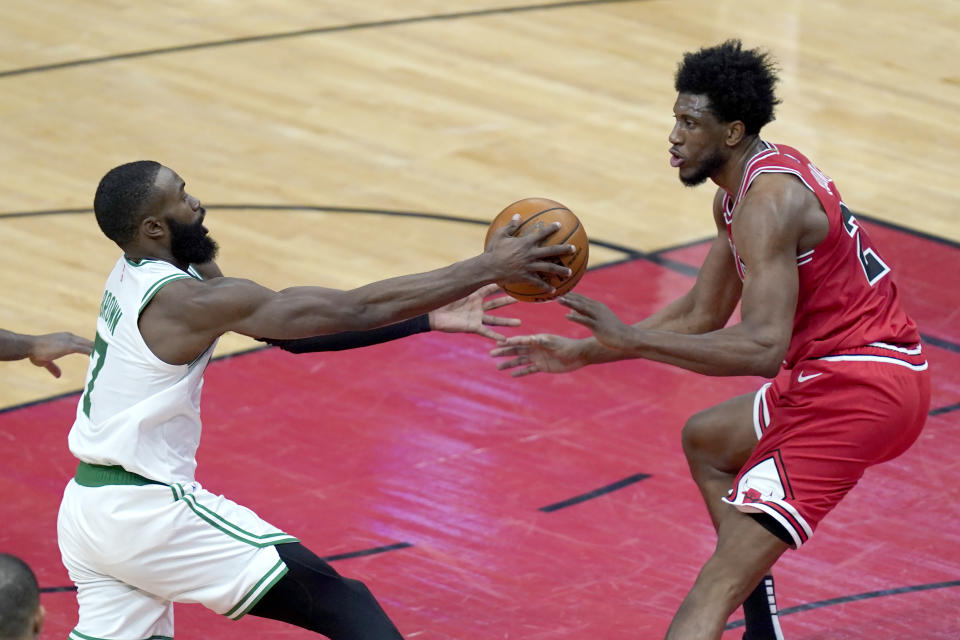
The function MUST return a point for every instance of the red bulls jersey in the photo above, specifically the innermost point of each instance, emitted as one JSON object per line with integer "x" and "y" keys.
{"x": 847, "y": 298}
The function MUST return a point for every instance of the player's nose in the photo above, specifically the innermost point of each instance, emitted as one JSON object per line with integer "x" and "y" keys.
{"x": 674, "y": 137}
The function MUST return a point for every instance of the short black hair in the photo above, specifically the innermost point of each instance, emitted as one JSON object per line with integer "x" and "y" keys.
{"x": 19, "y": 596}
{"x": 121, "y": 196}
{"x": 738, "y": 82}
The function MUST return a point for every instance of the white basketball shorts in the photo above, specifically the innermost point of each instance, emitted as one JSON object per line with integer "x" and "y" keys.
{"x": 134, "y": 550}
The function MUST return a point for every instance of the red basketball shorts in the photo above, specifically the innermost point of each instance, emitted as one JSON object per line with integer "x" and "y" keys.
{"x": 820, "y": 427}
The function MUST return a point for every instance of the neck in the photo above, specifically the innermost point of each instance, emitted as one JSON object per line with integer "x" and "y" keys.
{"x": 731, "y": 175}
{"x": 136, "y": 254}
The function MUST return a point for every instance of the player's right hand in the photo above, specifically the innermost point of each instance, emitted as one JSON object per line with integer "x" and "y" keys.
{"x": 48, "y": 347}
{"x": 541, "y": 352}
{"x": 521, "y": 258}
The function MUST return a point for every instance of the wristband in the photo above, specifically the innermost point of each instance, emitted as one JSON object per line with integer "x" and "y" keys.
{"x": 353, "y": 339}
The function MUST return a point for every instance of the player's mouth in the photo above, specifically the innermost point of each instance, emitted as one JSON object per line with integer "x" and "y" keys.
{"x": 675, "y": 159}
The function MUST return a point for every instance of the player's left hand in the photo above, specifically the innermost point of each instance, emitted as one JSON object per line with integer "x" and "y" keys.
{"x": 596, "y": 316}
{"x": 469, "y": 314}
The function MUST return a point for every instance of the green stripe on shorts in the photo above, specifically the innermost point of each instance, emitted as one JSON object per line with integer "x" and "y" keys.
{"x": 259, "y": 590}
{"x": 219, "y": 522}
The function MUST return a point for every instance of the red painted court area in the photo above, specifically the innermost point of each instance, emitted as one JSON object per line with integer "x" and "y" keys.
{"x": 422, "y": 444}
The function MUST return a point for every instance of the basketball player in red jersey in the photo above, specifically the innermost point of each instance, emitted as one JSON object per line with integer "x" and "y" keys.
{"x": 817, "y": 302}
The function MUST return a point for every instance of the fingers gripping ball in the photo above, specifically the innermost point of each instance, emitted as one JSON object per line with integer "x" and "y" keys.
{"x": 541, "y": 210}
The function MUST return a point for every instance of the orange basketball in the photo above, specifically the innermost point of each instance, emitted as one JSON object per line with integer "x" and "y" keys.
{"x": 541, "y": 210}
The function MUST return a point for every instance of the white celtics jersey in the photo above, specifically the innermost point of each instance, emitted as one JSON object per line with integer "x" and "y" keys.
{"x": 137, "y": 411}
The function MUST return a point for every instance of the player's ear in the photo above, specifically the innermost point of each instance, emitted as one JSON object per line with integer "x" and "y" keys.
{"x": 151, "y": 227}
{"x": 735, "y": 132}
{"x": 38, "y": 618}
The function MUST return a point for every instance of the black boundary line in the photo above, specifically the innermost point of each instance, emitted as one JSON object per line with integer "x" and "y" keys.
{"x": 367, "y": 552}
{"x": 333, "y": 558}
{"x": 859, "y": 596}
{"x": 57, "y": 589}
{"x": 33, "y": 403}
{"x": 684, "y": 245}
{"x": 77, "y": 392}
{"x": 943, "y": 410}
{"x": 320, "y": 209}
{"x": 940, "y": 342}
{"x": 673, "y": 265}
{"x": 909, "y": 231}
{"x": 619, "y": 484}
{"x": 306, "y": 32}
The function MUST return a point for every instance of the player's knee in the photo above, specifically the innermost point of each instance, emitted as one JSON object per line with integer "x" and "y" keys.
{"x": 356, "y": 588}
{"x": 358, "y": 594}
{"x": 698, "y": 436}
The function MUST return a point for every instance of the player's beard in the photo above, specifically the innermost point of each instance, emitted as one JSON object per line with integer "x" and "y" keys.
{"x": 707, "y": 168}
{"x": 190, "y": 244}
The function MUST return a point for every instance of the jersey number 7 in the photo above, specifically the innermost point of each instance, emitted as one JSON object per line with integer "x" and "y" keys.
{"x": 98, "y": 355}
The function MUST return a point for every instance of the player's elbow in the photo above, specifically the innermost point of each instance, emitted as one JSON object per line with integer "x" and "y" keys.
{"x": 764, "y": 351}
{"x": 768, "y": 368}
{"x": 769, "y": 358}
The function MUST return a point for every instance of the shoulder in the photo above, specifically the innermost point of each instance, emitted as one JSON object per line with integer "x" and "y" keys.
{"x": 191, "y": 288}
{"x": 775, "y": 193}
{"x": 205, "y": 305}
{"x": 773, "y": 210}
{"x": 141, "y": 280}
{"x": 227, "y": 295}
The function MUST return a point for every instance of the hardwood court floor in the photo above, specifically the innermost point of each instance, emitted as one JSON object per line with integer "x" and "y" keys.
{"x": 430, "y": 107}
{"x": 307, "y": 127}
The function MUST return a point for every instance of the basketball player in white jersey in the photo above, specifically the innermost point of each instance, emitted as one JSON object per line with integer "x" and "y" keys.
{"x": 136, "y": 531}
{"x": 42, "y": 349}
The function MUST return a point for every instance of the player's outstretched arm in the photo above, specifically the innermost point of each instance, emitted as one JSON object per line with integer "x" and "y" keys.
{"x": 186, "y": 316}
{"x": 325, "y": 310}
{"x": 771, "y": 220}
{"x": 467, "y": 315}
{"x": 42, "y": 349}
